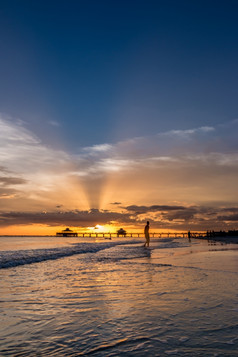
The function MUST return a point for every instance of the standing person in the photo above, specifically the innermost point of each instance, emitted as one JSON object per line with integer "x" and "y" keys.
{"x": 147, "y": 235}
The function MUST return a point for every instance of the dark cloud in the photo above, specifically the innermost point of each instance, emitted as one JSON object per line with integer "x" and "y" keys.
{"x": 201, "y": 214}
{"x": 169, "y": 217}
{"x": 115, "y": 203}
{"x": 6, "y": 189}
{"x": 9, "y": 181}
{"x": 154, "y": 208}
{"x": 3, "y": 169}
{"x": 232, "y": 209}
{"x": 7, "y": 192}
{"x": 74, "y": 218}
{"x": 186, "y": 215}
{"x": 231, "y": 218}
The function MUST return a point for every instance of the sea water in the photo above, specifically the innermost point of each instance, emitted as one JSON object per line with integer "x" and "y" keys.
{"x": 88, "y": 297}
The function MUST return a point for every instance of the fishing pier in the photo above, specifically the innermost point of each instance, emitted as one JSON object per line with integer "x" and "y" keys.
{"x": 109, "y": 235}
{"x": 142, "y": 235}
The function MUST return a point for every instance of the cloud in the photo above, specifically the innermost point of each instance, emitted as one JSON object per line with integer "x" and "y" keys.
{"x": 9, "y": 181}
{"x": 27, "y": 159}
{"x": 191, "y": 167}
{"x": 154, "y": 208}
{"x": 231, "y": 218}
{"x": 7, "y": 193}
{"x": 186, "y": 215}
{"x": 230, "y": 209}
{"x": 54, "y": 123}
{"x": 92, "y": 150}
{"x": 184, "y": 218}
{"x": 231, "y": 214}
{"x": 8, "y": 184}
{"x": 204, "y": 144}
{"x": 3, "y": 169}
{"x": 68, "y": 218}
{"x": 14, "y": 133}
{"x": 22, "y": 151}
{"x": 187, "y": 132}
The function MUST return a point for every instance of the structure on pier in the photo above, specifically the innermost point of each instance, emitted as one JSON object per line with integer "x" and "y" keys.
{"x": 121, "y": 232}
{"x": 67, "y": 233}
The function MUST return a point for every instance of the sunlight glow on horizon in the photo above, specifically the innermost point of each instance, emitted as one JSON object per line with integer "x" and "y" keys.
{"x": 43, "y": 230}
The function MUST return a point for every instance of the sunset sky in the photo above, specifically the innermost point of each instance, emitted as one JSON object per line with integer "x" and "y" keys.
{"x": 118, "y": 112}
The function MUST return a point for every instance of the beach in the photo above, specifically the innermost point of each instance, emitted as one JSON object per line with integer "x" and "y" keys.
{"x": 88, "y": 297}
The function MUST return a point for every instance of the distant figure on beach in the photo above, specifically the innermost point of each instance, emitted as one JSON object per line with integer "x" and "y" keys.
{"x": 147, "y": 235}
{"x": 189, "y": 236}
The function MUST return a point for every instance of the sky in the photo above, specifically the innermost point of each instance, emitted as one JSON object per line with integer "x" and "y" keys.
{"x": 113, "y": 113}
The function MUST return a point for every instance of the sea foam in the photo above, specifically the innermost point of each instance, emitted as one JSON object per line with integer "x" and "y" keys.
{"x": 10, "y": 259}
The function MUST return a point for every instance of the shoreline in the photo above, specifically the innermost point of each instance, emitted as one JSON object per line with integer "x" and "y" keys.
{"x": 220, "y": 239}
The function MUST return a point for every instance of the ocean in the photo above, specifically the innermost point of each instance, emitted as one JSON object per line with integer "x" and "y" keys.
{"x": 99, "y": 297}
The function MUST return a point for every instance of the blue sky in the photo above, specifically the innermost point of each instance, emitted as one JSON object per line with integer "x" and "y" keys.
{"x": 108, "y": 70}
{"x": 119, "y": 107}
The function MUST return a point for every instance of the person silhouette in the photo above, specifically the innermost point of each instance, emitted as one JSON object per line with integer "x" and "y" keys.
{"x": 147, "y": 235}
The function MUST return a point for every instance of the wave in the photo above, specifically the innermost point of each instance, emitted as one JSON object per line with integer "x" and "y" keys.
{"x": 127, "y": 250}
{"x": 9, "y": 259}
{"x": 114, "y": 344}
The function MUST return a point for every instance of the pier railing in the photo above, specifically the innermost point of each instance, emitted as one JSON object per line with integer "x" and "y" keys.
{"x": 141, "y": 235}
